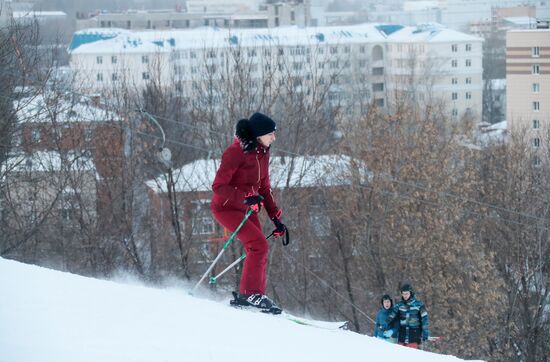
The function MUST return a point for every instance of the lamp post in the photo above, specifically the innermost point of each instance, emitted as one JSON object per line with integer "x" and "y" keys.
{"x": 165, "y": 157}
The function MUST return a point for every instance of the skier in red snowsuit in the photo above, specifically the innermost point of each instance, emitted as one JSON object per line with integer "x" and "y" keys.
{"x": 242, "y": 182}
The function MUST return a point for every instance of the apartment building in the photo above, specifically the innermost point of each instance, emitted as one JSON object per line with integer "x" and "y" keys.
{"x": 237, "y": 14}
{"x": 367, "y": 63}
{"x": 528, "y": 83}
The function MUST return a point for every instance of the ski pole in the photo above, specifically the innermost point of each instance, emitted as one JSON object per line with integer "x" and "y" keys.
{"x": 248, "y": 213}
{"x": 215, "y": 278}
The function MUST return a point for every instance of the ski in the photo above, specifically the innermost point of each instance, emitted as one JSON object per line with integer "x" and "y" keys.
{"x": 332, "y": 326}
{"x": 434, "y": 339}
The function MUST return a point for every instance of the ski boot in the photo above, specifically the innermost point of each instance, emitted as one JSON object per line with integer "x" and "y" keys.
{"x": 260, "y": 301}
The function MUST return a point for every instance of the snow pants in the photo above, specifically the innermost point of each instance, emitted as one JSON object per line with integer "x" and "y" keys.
{"x": 253, "y": 279}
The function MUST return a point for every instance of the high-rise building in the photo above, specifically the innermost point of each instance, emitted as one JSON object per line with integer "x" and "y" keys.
{"x": 528, "y": 82}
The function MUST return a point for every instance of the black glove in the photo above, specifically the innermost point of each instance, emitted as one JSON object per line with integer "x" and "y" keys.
{"x": 280, "y": 229}
{"x": 254, "y": 202}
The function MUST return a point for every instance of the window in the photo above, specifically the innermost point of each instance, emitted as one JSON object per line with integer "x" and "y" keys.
{"x": 536, "y": 69}
{"x": 454, "y": 112}
{"x": 468, "y": 47}
{"x": 536, "y": 87}
{"x": 88, "y": 134}
{"x": 362, "y": 63}
{"x": 99, "y": 77}
{"x": 379, "y": 102}
{"x": 320, "y": 223}
{"x": 113, "y": 59}
{"x": 145, "y": 75}
{"x": 536, "y": 124}
{"x": 536, "y": 142}
{"x": 468, "y": 62}
{"x": 333, "y": 50}
{"x": 347, "y": 49}
{"x": 203, "y": 224}
{"x": 535, "y": 52}
{"x": 454, "y": 63}
{"x": 468, "y": 80}
{"x": 454, "y": 81}
{"x": 454, "y": 48}
{"x": 334, "y": 65}
{"x": 114, "y": 77}
{"x": 145, "y": 59}
{"x": 378, "y": 71}
{"x": 192, "y": 55}
{"x": 378, "y": 87}
{"x": 69, "y": 206}
{"x": 99, "y": 60}
{"x": 536, "y": 161}
{"x": 454, "y": 96}
{"x": 35, "y": 135}
{"x": 468, "y": 95}
{"x": 536, "y": 106}
{"x": 362, "y": 49}
{"x": 251, "y": 53}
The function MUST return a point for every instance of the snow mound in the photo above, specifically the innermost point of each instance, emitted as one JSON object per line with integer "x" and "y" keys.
{"x": 46, "y": 315}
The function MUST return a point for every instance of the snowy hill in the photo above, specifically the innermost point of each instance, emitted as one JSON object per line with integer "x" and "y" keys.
{"x": 46, "y": 315}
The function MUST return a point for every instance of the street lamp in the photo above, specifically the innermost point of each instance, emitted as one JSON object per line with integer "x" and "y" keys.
{"x": 163, "y": 154}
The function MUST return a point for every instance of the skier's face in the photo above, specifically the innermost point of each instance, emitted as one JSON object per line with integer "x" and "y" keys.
{"x": 386, "y": 303}
{"x": 406, "y": 295}
{"x": 267, "y": 139}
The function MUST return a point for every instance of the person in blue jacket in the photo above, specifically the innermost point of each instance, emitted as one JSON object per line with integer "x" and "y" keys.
{"x": 413, "y": 319}
{"x": 382, "y": 330}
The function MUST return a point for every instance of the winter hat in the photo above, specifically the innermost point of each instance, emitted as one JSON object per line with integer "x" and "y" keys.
{"x": 260, "y": 124}
{"x": 386, "y": 297}
{"x": 406, "y": 288}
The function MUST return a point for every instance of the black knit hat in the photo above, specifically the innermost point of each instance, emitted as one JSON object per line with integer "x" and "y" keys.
{"x": 260, "y": 124}
{"x": 386, "y": 297}
{"x": 406, "y": 288}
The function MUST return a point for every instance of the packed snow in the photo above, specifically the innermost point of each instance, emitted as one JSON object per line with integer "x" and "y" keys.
{"x": 47, "y": 315}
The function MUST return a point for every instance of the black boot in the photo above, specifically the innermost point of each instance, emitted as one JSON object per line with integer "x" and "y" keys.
{"x": 260, "y": 301}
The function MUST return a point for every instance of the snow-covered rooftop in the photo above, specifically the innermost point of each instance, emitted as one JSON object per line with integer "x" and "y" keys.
{"x": 302, "y": 171}
{"x": 521, "y": 20}
{"x": 96, "y": 41}
{"x": 47, "y": 161}
{"x": 38, "y": 14}
{"x": 430, "y": 32}
{"x": 38, "y": 109}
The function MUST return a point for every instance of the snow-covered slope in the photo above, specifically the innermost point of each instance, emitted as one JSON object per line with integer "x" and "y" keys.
{"x": 46, "y": 315}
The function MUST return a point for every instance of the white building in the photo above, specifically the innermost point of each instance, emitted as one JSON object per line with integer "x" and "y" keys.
{"x": 456, "y": 14}
{"x": 368, "y": 61}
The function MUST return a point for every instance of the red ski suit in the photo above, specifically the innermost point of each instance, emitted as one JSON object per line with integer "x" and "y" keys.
{"x": 242, "y": 174}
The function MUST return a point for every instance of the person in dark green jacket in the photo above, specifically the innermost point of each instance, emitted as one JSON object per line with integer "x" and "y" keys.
{"x": 413, "y": 319}
{"x": 381, "y": 330}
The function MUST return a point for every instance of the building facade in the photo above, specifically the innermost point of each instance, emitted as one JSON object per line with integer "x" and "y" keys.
{"x": 528, "y": 83}
{"x": 366, "y": 63}
{"x": 224, "y": 14}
